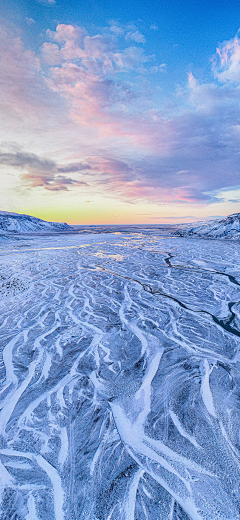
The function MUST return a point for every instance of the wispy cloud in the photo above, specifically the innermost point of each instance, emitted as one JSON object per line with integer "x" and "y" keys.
{"x": 46, "y": 2}
{"x": 174, "y": 218}
{"x": 117, "y": 29}
{"x": 135, "y": 36}
{"x": 30, "y": 21}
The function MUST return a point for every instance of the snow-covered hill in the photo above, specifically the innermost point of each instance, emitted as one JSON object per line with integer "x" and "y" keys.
{"x": 227, "y": 228}
{"x": 16, "y": 223}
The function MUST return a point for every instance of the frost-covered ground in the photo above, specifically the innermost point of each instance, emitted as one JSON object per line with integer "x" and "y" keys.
{"x": 120, "y": 378}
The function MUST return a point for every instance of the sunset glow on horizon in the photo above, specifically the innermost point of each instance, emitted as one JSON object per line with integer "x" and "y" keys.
{"x": 120, "y": 114}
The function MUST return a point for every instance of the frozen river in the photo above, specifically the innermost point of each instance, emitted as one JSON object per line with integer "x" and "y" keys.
{"x": 120, "y": 378}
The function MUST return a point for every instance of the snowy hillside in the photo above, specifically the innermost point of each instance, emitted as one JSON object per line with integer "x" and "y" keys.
{"x": 227, "y": 227}
{"x": 13, "y": 222}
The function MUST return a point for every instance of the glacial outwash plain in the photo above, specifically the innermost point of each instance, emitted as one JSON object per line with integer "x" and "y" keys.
{"x": 120, "y": 371}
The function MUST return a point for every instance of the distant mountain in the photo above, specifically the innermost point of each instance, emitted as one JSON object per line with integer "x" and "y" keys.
{"x": 15, "y": 223}
{"x": 226, "y": 228}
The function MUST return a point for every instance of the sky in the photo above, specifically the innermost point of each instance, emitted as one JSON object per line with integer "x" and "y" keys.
{"x": 118, "y": 112}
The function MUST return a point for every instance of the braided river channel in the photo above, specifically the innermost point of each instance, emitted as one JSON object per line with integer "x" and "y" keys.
{"x": 119, "y": 377}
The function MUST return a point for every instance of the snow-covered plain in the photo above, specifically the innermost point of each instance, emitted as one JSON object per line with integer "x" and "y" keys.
{"x": 120, "y": 377}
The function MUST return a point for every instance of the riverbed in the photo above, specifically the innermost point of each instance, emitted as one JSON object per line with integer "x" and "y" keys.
{"x": 120, "y": 377}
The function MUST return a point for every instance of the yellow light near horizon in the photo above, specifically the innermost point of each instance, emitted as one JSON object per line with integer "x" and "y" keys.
{"x": 108, "y": 213}
{"x": 75, "y": 208}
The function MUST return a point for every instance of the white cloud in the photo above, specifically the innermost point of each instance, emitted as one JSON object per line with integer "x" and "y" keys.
{"x": 30, "y": 21}
{"x": 117, "y": 29}
{"x": 158, "y": 68}
{"x": 135, "y": 36}
{"x": 226, "y": 62}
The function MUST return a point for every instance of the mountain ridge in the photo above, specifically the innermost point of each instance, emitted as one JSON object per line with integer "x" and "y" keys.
{"x": 14, "y": 223}
{"x": 224, "y": 228}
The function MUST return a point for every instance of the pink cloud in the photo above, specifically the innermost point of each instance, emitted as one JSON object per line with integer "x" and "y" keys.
{"x": 67, "y": 46}
{"x": 51, "y": 54}
{"x": 65, "y": 33}
{"x": 81, "y": 76}
{"x": 42, "y": 172}
{"x": 106, "y": 103}
{"x": 131, "y": 147}
{"x": 88, "y": 94}
{"x": 130, "y": 183}
{"x": 50, "y": 183}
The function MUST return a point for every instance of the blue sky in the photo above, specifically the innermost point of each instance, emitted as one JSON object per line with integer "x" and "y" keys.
{"x": 120, "y": 111}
